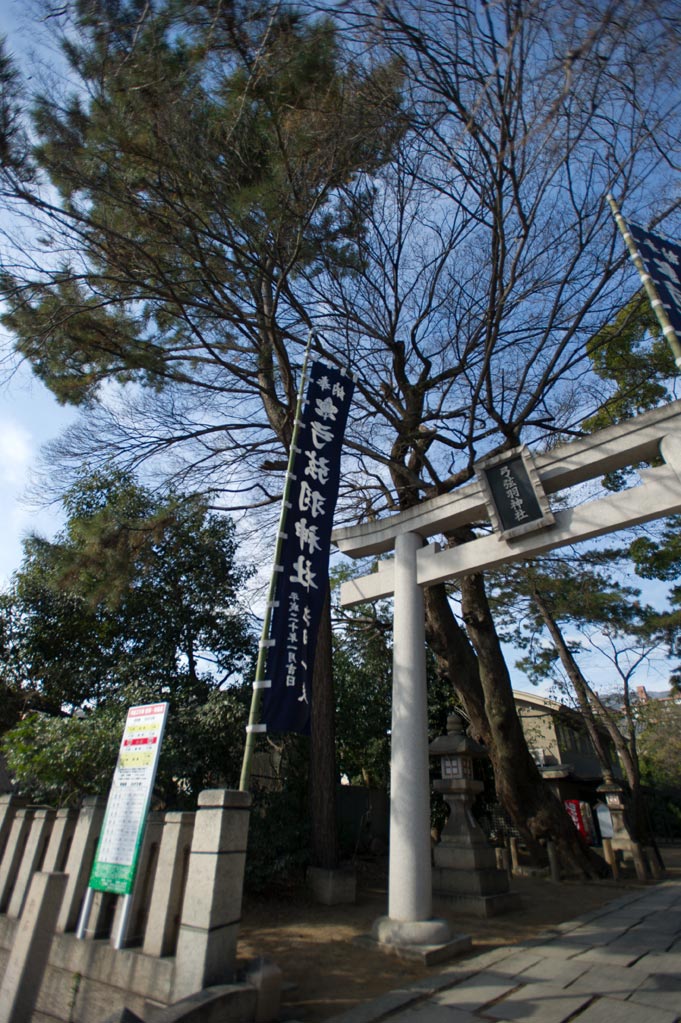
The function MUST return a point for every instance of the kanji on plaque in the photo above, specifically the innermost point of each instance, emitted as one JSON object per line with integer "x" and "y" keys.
{"x": 302, "y": 582}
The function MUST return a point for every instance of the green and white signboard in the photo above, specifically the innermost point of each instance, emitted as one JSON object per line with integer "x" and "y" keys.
{"x": 128, "y": 804}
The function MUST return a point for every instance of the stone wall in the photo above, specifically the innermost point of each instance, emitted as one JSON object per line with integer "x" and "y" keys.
{"x": 185, "y": 912}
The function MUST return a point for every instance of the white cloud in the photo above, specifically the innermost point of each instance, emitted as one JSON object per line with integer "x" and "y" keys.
{"x": 16, "y": 453}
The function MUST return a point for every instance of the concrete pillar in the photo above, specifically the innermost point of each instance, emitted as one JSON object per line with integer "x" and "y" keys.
{"x": 60, "y": 841}
{"x": 11, "y": 862}
{"x": 211, "y": 910}
{"x": 9, "y": 805}
{"x": 81, "y": 857}
{"x": 409, "y": 920}
{"x": 639, "y": 862}
{"x": 515, "y": 859}
{"x": 410, "y": 895}
{"x": 654, "y": 862}
{"x": 33, "y": 858}
{"x": 554, "y": 864}
{"x": 611, "y": 858}
{"x": 30, "y": 948}
{"x": 169, "y": 887}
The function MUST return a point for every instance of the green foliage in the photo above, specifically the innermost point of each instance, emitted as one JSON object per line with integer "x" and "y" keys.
{"x": 14, "y": 148}
{"x": 583, "y": 590}
{"x": 632, "y": 355}
{"x": 59, "y": 760}
{"x": 278, "y": 840}
{"x": 363, "y": 685}
{"x": 280, "y": 826}
{"x": 197, "y": 167}
{"x": 88, "y": 343}
{"x": 136, "y": 601}
{"x": 664, "y": 810}
{"x": 362, "y": 660}
{"x": 660, "y": 557}
{"x": 659, "y": 743}
{"x": 659, "y": 746}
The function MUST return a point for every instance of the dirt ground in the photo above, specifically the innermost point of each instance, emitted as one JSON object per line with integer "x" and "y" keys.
{"x": 325, "y": 973}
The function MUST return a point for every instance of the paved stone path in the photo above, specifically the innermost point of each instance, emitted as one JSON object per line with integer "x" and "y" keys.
{"x": 620, "y": 963}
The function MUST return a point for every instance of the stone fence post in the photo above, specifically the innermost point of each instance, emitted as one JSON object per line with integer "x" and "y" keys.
{"x": 14, "y": 852}
{"x": 32, "y": 859}
{"x": 211, "y": 910}
{"x": 79, "y": 863}
{"x": 30, "y": 949}
{"x": 60, "y": 841}
{"x": 8, "y": 808}
{"x": 166, "y": 899}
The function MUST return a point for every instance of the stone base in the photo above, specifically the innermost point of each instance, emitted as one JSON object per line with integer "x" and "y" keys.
{"x": 332, "y": 887}
{"x": 531, "y": 872}
{"x": 625, "y": 846}
{"x": 388, "y": 931}
{"x": 266, "y": 977}
{"x": 450, "y": 855}
{"x": 452, "y": 881}
{"x": 429, "y": 955}
{"x": 483, "y": 906}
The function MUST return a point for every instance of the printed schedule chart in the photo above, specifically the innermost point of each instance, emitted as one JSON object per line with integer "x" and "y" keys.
{"x": 129, "y": 798}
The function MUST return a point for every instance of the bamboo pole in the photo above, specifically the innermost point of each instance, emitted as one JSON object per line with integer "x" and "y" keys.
{"x": 648, "y": 284}
{"x": 254, "y": 727}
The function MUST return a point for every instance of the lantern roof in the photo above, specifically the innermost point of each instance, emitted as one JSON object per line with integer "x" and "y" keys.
{"x": 456, "y": 741}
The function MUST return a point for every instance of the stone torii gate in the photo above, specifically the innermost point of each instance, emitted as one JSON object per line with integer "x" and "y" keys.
{"x": 643, "y": 439}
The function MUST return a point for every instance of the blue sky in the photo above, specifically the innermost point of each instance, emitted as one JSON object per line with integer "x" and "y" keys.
{"x": 29, "y": 415}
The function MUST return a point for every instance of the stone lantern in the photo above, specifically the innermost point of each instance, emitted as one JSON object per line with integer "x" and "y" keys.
{"x": 465, "y": 871}
{"x": 456, "y": 751}
{"x": 622, "y": 841}
{"x": 614, "y": 798}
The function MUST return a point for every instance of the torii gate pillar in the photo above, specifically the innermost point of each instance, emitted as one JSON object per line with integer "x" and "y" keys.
{"x": 410, "y": 901}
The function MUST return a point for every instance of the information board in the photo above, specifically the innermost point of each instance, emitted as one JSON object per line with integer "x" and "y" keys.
{"x": 128, "y": 804}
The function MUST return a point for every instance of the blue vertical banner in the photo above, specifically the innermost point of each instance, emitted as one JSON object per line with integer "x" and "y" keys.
{"x": 662, "y": 260}
{"x": 303, "y": 572}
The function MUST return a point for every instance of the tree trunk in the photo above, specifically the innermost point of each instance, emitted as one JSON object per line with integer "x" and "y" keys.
{"x": 484, "y": 686}
{"x": 454, "y": 652}
{"x": 637, "y": 816}
{"x": 323, "y": 774}
{"x": 578, "y": 681}
{"x": 591, "y": 706}
{"x": 535, "y": 810}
